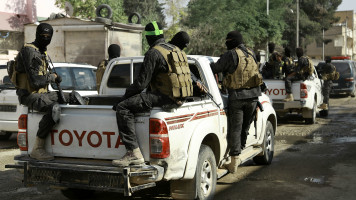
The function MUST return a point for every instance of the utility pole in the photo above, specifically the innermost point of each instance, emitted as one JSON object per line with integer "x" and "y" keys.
{"x": 323, "y": 45}
{"x": 346, "y": 37}
{"x": 266, "y": 56}
{"x": 297, "y": 34}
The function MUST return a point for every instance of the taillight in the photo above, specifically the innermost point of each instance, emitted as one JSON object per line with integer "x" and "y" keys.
{"x": 159, "y": 140}
{"x": 303, "y": 91}
{"x": 349, "y": 79}
{"x": 22, "y": 133}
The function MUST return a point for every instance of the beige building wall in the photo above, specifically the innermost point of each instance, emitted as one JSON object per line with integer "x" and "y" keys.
{"x": 342, "y": 38}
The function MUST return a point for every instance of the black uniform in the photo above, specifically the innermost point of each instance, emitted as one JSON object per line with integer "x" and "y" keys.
{"x": 137, "y": 102}
{"x": 241, "y": 106}
{"x": 30, "y": 63}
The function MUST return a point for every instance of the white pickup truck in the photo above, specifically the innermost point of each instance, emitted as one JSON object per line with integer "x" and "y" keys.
{"x": 307, "y": 97}
{"x": 79, "y": 77}
{"x": 186, "y": 146}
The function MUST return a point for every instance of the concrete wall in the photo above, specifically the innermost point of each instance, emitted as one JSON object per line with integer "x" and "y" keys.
{"x": 81, "y": 41}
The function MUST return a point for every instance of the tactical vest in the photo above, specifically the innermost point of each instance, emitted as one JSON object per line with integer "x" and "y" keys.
{"x": 330, "y": 73}
{"x": 307, "y": 69}
{"x": 289, "y": 65}
{"x": 246, "y": 74}
{"x": 21, "y": 80}
{"x": 100, "y": 73}
{"x": 176, "y": 83}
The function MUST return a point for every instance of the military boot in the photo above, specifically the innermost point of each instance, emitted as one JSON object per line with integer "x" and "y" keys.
{"x": 132, "y": 157}
{"x": 324, "y": 106}
{"x": 289, "y": 97}
{"x": 232, "y": 166}
{"x": 39, "y": 152}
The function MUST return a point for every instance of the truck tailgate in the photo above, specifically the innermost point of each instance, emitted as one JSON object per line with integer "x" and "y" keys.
{"x": 80, "y": 135}
{"x": 276, "y": 89}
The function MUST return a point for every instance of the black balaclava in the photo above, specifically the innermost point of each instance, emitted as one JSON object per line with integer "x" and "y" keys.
{"x": 114, "y": 51}
{"x": 233, "y": 39}
{"x": 299, "y": 52}
{"x": 181, "y": 40}
{"x": 258, "y": 57}
{"x": 271, "y": 47}
{"x": 44, "y": 33}
{"x": 153, "y": 32}
{"x": 287, "y": 51}
{"x": 327, "y": 59}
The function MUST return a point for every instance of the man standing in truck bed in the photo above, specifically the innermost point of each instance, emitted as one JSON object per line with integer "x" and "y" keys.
{"x": 243, "y": 82}
{"x": 158, "y": 72}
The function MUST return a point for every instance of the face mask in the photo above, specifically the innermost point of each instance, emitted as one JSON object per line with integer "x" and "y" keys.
{"x": 230, "y": 44}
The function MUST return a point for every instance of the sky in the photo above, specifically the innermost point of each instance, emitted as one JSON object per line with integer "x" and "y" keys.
{"x": 347, "y": 5}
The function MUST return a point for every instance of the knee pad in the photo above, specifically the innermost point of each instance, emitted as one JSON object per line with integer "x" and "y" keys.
{"x": 56, "y": 112}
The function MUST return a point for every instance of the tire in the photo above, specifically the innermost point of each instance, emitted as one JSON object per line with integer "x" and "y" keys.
{"x": 77, "y": 194}
{"x": 103, "y": 20}
{"x": 5, "y": 136}
{"x": 324, "y": 113}
{"x": 104, "y": 6}
{"x": 353, "y": 93}
{"x": 267, "y": 146}
{"x": 205, "y": 174}
{"x": 313, "y": 119}
{"x": 138, "y": 18}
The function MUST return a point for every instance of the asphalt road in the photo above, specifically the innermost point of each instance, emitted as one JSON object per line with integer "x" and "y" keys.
{"x": 311, "y": 162}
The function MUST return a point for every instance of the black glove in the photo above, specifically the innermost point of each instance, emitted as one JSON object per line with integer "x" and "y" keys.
{"x": 58, "y": 79}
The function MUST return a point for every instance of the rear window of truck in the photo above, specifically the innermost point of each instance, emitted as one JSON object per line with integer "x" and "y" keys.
{"x": 120, "y": 75}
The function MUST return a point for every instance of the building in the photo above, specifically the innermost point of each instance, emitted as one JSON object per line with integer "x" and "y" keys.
{"x": 340, "y": 38}
{"x": 13, "y": 15}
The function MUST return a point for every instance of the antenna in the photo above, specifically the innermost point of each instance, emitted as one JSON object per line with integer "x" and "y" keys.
{"x": 68, "y": 8}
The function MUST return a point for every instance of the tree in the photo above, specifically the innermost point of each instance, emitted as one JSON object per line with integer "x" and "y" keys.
{"x": 175, "y": 12}
{"x": 211, "y": 20}
{"x": 86, "y": 9}
{"x": 315, "y": 15}
{"x": 150, "y": 10}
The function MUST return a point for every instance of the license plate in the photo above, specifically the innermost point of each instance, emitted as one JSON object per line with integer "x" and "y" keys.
{"x": 7, "y": 108}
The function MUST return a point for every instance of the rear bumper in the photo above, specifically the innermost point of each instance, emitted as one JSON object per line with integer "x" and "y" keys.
{"x": 92, "y": 176}
{"x": 10, "y": 126}
{"x": 340, "y": 91}
{"x": 280, "y": 105}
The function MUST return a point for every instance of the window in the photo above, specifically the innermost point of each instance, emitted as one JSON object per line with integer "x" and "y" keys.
{"x": 120, "y": 75}
{"x": 76, "y": 78}
{"x": 343, "y": 68}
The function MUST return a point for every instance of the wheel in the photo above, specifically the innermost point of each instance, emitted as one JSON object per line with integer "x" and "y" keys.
{"x": 205, "y": 174}
{"x": 324, "y": 113}
{"x": 313, "y": 112}
{"x": 353, "y": 93}
{"x": 138, "y": 18}
{"x": 73, "y": 193}
{"x": 5, "y": 135}
{"x": 100, "y": 8}
{"x": 203, "y": 185}
{"x": 267, "y": 146}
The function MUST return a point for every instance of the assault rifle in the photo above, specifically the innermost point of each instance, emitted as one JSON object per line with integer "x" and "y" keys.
{"x": 196, "y": 80}
{"x": 61, "y": 95}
